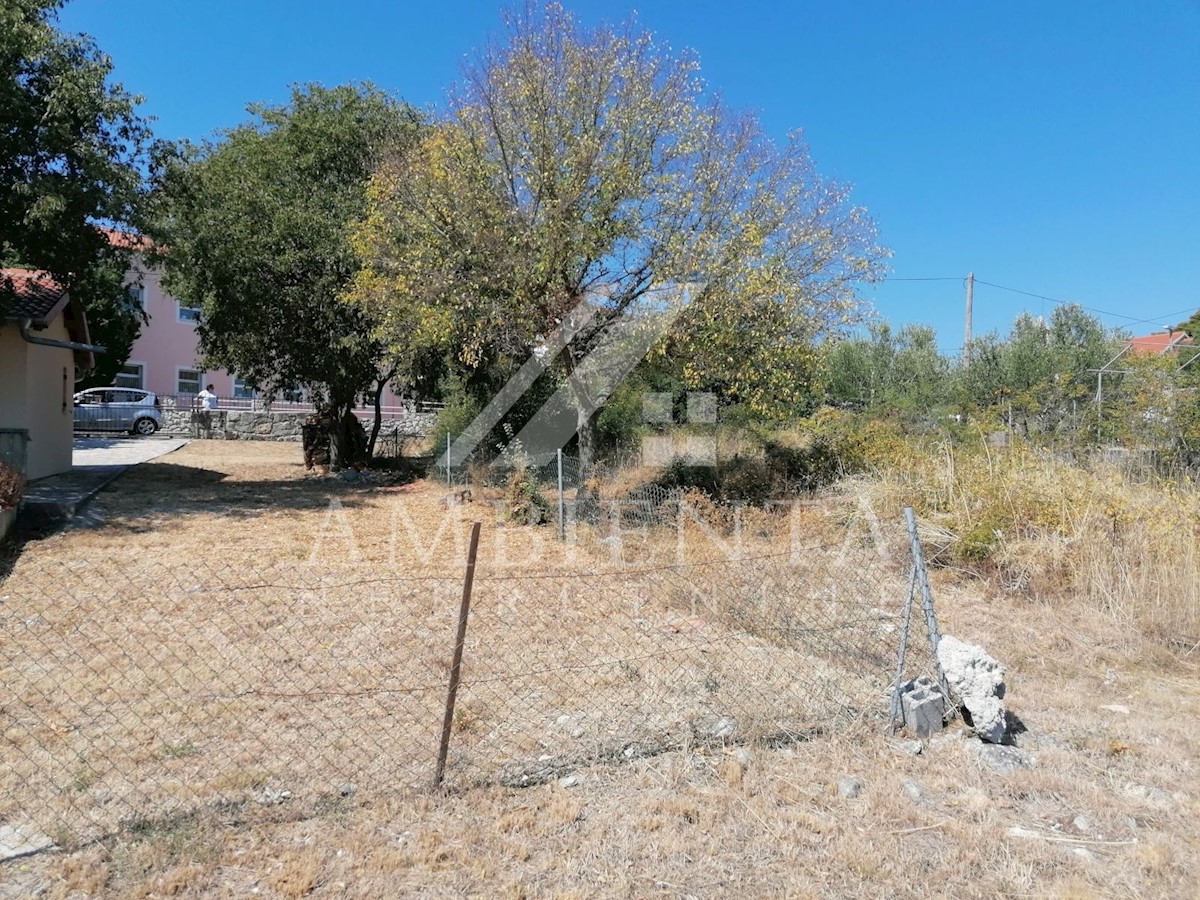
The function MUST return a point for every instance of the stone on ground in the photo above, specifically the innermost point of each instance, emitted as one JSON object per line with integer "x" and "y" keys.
{"x": 977, "y": 680}
{"x": 999, "y": 758}
{"x": 849, "y": 788}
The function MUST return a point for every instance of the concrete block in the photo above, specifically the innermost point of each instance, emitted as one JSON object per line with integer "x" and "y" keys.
{"x": 922, "y": 706}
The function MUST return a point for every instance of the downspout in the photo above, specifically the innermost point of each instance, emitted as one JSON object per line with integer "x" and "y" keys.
{"x": 24, "y": 324}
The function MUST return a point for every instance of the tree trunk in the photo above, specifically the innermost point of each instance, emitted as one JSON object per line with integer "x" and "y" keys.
{"x": 378, "y": 423}
{"x": 347, "y": 439}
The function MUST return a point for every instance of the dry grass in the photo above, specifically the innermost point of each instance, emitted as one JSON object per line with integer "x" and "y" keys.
{"x": 1108, "y": 810}
{"x": 1057, "y": 532}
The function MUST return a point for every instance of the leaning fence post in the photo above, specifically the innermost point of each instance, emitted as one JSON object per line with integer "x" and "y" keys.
{"x": 456, "y": 664}
{"x": 931, "y": 622}
{"x": 562, "y": 522}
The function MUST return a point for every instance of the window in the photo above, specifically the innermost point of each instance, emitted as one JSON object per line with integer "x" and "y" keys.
{"x": 243, "y": 391}
{"x": 189, "y": 313}
{"x": 187, "y": 381}
{"x": 130, "y": 376}
{"x": 136, "y": 296}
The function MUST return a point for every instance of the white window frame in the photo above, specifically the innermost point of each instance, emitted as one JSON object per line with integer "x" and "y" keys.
{"x": 179, "y": 370}
{"x": 242, "y": 391}
{"x": 192, "y": 313}
{"x": 141, "y": 375}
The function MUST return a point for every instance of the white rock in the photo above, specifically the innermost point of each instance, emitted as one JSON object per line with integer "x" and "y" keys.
{"x": 1001, "y": 759}
{"x": 977, "y": 680}
{"x": 1118, "y": 708}
{"x": 849, "y": 788}
{"x": 568, "y": 782}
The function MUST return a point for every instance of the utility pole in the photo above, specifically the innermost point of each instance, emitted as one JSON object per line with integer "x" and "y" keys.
{"x": 970, "y": 309}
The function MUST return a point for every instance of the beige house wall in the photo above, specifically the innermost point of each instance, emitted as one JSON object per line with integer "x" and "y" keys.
{"x": 36, "y": 389}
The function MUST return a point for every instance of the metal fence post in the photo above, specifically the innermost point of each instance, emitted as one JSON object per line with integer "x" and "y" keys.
{"x": 908, "y": 605}
{"x": 931, "y": 622}
{"x": 448, "y": 482}
{"x": 456, "y": 664}
{"x": 562, "y": 522}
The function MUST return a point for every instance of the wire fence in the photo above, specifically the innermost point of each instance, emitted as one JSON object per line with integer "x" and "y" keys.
{"x": 136, "y": 692}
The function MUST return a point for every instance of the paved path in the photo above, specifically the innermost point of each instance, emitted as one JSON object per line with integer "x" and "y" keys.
{"x": 95, "y": 462}
{"x": 120, "y": 451}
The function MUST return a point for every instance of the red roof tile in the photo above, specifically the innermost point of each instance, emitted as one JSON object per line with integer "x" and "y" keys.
{"x": 1159, "y": 342}
{"x": 29, "y": 294}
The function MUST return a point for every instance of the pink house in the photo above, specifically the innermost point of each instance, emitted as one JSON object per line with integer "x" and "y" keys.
{"x": 164, "y": 358}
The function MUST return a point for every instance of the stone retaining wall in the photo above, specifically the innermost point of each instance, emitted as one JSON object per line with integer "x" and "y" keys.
{"x": 243, "y": 425}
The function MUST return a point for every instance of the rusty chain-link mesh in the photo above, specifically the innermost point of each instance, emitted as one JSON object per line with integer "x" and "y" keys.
{"x": 132, "y": 691}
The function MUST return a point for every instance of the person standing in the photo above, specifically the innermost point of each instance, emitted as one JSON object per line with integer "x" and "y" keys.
{"x": 208, "y": 399}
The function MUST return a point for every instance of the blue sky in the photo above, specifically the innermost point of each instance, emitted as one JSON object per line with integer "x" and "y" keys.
{"x": 1052, "y": 147}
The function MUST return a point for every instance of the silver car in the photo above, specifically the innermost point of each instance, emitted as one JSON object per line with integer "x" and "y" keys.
{"x": 117, "y": 409}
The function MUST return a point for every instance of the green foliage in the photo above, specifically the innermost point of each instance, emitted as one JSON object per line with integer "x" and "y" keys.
{"x": 114, "y": 321}
{"x": 1191, "y": 325}
{"x": 525, "y": 502}
{"x": 1036, "y": 377}
{"x": 824, "y": 448}
{"x": 592, "y": 165}
{"x": 902, "y": 371}
{"x": 258, "y": 229}
{"x": 461, "y": 409}
{"x": 72, "y": 151}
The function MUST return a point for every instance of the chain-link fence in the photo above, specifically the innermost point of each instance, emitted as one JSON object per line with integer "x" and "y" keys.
{"x": 139, "y": 691}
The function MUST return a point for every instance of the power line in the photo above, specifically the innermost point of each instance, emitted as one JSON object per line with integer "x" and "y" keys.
{"x": 1131, "y": 319}
{"x": 1101, "y": 312}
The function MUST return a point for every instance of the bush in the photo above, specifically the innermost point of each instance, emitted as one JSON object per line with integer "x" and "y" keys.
{"x": 12, "y": 486}
{"x": 819, "y": 451}
{"x": 452, "y": 421}
{"x": 525, "y": 502}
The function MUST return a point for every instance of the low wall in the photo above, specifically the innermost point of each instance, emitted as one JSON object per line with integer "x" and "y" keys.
{"x": 243, "y": 425}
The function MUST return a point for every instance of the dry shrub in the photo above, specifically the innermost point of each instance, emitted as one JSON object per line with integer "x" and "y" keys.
{"x": 12, "y": 486}
{"x": 526, "y": 503}
{"x": 1057, "y": 530}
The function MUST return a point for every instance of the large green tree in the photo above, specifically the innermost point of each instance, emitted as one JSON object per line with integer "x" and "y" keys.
{"x": 591, "y": 166}
{"x": 72, "y": 155}
{"x": 256, "y": 226}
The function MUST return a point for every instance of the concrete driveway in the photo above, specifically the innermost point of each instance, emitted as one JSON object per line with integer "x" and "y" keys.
{"x": 95, "y": 462}
{"x": 90, "y": 452}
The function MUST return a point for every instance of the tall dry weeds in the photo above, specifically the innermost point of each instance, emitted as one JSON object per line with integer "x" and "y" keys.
{"x": 1058, "y": 531}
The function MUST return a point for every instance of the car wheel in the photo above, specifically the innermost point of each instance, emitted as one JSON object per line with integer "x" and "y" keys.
{"x": 145, "y": 427}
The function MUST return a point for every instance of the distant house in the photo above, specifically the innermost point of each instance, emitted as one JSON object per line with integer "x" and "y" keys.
{"x": 44, "y": 344}
{"x": 1159, "y": 343}
{"x": 165, "y": 357}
